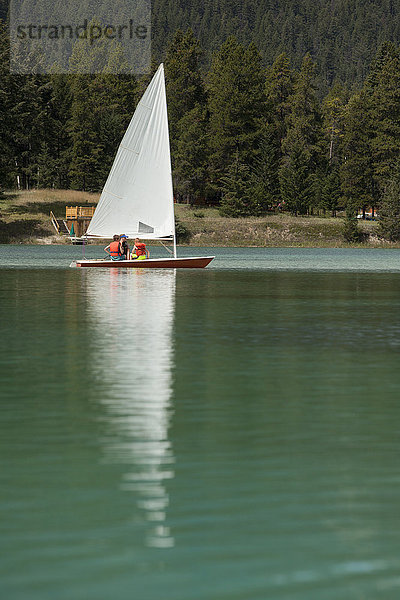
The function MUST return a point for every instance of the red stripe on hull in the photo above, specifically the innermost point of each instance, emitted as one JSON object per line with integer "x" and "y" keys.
{"x": 157, "y": 263}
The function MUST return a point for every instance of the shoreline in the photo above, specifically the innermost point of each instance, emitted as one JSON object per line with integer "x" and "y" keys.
{"x": 25, "y": 219}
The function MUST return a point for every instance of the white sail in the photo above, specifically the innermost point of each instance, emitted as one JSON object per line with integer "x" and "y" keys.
{"x": 137, "y": 198}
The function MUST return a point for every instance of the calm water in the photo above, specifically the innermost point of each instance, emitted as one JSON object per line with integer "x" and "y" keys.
{"x": 223, "y": 434}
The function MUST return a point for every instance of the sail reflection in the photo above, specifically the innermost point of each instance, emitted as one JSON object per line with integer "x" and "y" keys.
{"x": 132, "y": 314}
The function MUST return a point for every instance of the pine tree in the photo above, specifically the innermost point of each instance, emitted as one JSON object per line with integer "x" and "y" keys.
{"x": 296, "y": 179}
{"x": 188, "y": 120}
{"x": 385, "y": 114}
{"x": 357, "y": 171}
{"x": 101, "y": 108}
{"x": 386, "y": 52}
{"x": 29, "y": 115}
{"x": 237, "y": 103}
{"x": 264, "y": 181}
{"x": 60, "y": 145}
{"x": 333, "y": 108}
{"x": 86, "y": 151}
{"x": 328, "y": 183}
{"x": 352, "y": 234}
{"x": 389, "y": 211}
{"x": 5, "y": 102}
{"x": 190, "y": 170}
{"x": 236, "y": 198}
{"x": 329, "y": 189}
{"x": 279, "y": 88}
{"x": 304, "y": 118}
{"x": 184, "y": 85}
{"x": 301, "y": 147}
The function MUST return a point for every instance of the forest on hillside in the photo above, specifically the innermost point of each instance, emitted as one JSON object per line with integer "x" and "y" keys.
{"x": 247, "y": 134}
{"x": 342, "y": 36}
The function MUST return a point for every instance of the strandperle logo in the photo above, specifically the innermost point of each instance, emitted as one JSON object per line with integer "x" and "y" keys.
{"x": 90, "y": 32}
{"x": 85, "y": 37}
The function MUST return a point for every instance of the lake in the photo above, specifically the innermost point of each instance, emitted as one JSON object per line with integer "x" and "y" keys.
{"x": 229, "y": 433}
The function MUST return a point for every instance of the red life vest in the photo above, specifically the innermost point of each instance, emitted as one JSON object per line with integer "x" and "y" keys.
{"x": 140, "y": 249}
{"x": 114, "y": 249}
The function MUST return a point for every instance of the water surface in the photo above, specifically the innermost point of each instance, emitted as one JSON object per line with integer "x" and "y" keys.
{"x": 227, "y": 433}
{"x": 277, "y": 259}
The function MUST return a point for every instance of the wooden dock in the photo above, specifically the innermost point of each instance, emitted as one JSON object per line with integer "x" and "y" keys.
{"x": 75, "y": 223}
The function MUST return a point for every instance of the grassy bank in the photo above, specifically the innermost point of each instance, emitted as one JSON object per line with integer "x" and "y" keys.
{"x": 25, "y": 215}
{"x": 278, "y": 230}
{"x": 25, "y": 218}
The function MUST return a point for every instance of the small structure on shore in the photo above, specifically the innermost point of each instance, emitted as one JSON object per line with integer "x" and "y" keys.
{"x": 78, "y": 218}
{"x": 76, "y": 222}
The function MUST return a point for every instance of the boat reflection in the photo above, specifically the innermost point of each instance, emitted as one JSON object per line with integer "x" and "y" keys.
{"x": 132, "y": 313}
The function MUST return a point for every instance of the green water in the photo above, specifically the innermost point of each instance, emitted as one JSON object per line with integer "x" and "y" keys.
{"x": 223, "y": 434}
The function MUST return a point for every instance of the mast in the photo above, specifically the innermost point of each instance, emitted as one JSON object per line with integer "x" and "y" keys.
{"x": 169, "y": 147}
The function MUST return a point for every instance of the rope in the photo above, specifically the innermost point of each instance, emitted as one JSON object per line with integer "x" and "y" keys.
{"x": 166, "y": 247}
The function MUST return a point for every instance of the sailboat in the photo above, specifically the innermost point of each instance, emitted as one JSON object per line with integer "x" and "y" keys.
{"x": 137, "y": 198}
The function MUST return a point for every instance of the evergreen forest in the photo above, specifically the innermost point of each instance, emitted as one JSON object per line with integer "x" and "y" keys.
{"x": 272, "y": 105}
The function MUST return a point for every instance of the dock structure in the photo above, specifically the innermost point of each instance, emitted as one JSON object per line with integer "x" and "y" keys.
{"x": 75, "y": 223}
{"x": 78, "y": 219}
{"x": 59, "y": 224}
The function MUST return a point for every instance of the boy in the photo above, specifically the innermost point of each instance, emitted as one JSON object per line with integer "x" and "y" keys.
{"x": 114, "y": 249}
{"x": 124, "y": 246}
{"x": 139, "y": 250}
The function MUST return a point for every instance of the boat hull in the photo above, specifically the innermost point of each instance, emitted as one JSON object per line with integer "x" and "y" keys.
{"x": 193, "y": 262}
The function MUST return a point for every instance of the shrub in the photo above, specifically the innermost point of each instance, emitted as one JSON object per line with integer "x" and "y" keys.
{"x": 183, "y": 234}
{"x": 389, "y": 224}
{"x": 351, "y": 231}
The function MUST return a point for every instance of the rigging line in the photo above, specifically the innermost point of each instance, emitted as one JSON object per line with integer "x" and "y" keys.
{"x": 166, "y": 247}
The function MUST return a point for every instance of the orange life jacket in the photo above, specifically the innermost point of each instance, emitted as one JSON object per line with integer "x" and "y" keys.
{"x": 140, "y": 249}
{"x": 114, "y": 249}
